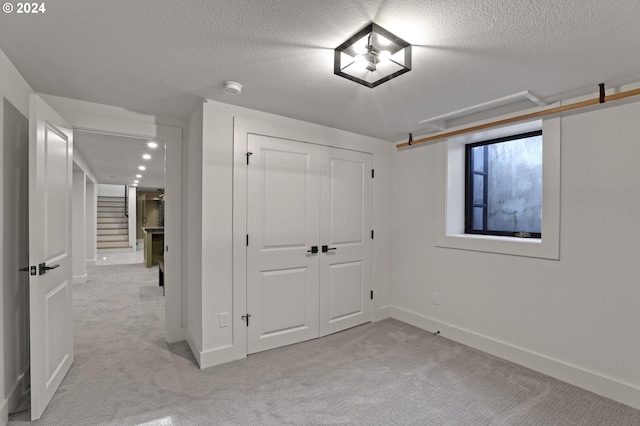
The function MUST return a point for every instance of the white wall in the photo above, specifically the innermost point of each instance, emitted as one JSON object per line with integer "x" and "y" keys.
{"x": 132, "y": 203}
{"x": 106, "y": 190}
{"x": 91, "y": 232}
{"x": 575, "y": 318}
{"x": 79, "y": 228}
{"x": 218, "y": 217}
{"x": 14, "y": 110}
{"x": 90, "y": 207}
{"x": 194, "y": 215}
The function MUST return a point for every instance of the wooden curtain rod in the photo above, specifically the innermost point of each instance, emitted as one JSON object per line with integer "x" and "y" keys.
{"x": 542, "y": 113}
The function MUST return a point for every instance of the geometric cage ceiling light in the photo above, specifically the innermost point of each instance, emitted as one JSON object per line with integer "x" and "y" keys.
{"x": 372, "y": 56}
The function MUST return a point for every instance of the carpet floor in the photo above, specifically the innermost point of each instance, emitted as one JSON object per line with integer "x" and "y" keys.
{"x": 384, "y": 373}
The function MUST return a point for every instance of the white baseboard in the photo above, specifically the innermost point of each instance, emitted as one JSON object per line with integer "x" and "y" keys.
{"x": 213, "y": 357}
{"x": 219, "y": 356}
{"x": 195, "y": 348}
{"x": 383, "y": 312}
{"x": 4, "y": 412}
{"x": 17, "y": 394}
{"x": 608, "y": 387}
{"x": 79, "y": 279}
{"x": 91, "y": 262}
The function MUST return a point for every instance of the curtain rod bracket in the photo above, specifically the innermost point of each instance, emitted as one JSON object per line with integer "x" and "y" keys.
{"x": 602, "y": 100}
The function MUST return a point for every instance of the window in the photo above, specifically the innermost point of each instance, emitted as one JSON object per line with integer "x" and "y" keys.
{"x": 503, "y": 186}
{"x": 450, "y": 185}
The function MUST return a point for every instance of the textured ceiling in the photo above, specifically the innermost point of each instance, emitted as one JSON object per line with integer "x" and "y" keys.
{"x": 161, "y": 56}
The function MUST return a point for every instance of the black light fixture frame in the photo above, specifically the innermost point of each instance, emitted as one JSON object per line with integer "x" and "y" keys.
{"x": 372, "y": 27}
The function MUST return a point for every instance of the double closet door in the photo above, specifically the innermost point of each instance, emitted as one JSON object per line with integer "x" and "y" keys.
{"x": 309, "y": 241}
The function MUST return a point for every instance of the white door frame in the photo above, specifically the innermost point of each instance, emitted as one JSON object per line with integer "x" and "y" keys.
{"x": 242, "y": 128}
{"x": 97, "y": 118}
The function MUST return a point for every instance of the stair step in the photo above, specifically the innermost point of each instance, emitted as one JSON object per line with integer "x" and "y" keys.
{"x": 119, "y": 215}
{"x": 113, "y": 220}
{"x": 102, "y": 249}
{"x": 113, "y": 244}
{"x": 105, "y": 226}
{"x": 110, "y": 208}
{"x": 112, "y": 231}
{"x": 114, "y": 237}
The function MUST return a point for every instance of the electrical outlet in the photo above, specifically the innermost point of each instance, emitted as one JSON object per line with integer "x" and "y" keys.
{"x": 436, "y": 298}
{"x": 224, "y": 319}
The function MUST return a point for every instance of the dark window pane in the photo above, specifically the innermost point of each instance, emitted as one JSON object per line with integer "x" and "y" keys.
{"x": 513, "y": 183}
{"x": 478, "y": 158}
{"x": 477, "y": 218}
{"x": 478, "y": 189}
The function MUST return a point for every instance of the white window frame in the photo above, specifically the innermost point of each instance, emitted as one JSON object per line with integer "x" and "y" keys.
{"x": 450, "y": 205}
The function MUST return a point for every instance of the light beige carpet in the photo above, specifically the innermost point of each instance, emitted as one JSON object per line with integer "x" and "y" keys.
{"x": 385, "y": 373}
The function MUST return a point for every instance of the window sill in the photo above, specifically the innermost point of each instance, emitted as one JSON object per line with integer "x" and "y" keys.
{"x": 528, "y": 247}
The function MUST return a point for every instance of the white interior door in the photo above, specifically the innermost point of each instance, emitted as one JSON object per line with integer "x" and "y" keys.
{"x": 345, "y": 232}
{"x": 50, "y": 299}
{"x": 282, "y": 224}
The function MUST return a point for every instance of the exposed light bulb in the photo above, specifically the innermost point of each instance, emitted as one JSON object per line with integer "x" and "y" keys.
{"x": 385, "y": 55}
{"x": 361, "y": 62}
{"x": 360, "y": 49}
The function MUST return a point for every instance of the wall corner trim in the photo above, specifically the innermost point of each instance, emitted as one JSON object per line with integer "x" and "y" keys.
{"x": 608, "y": 387}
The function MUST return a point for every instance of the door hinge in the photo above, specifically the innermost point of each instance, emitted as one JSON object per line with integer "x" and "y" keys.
{"x": 248, "y": 154}
{"x": 372, "y": 234}
{"x": 247, "y": 240}
{"x": 371, "y": 294}
{"x": 373, "y": 173}
{"x": 246, "y": 318}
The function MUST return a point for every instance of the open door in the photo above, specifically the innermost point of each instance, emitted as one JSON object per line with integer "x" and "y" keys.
{"x": 50, "y": 299}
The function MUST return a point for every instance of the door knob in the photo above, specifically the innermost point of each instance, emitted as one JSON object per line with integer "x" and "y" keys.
{"x": 327, "y": 248}
{"x": 44, "y": 268}
{"x": 314, "y": 250}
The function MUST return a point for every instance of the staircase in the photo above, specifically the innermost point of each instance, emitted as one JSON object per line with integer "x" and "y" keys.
{"x": 113, "y": 224}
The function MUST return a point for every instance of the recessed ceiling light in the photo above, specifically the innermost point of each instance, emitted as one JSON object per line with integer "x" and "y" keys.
{"x": 138, "y": 176}
{"x": 136, "y": 181}
{"x": 135, "y": 184}
{"x": 142, "y": 168}
{"x": 146, "y": 156}
{"x": 152, "y": 145}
